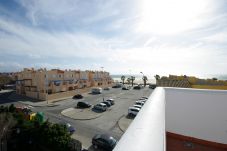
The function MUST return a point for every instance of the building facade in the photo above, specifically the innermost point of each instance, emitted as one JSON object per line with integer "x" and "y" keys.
{"x": 42, "y": 84}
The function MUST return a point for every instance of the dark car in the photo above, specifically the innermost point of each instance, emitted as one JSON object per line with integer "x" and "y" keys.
{"x": 69, "y": 127}
{"x": 111, "y": 101}
{"x": 108, "y": 104}
{"x": 137, "y": 87}
{"x": 152, "y": 86}
{"x": 116, "y": 86}
{"x": 83, "y": 105}
{"x": 104, "y": 141}
{"x": 125, "y": 88}
{"x": 77, "y": 96}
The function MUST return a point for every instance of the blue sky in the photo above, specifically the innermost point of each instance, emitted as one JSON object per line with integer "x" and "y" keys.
{"x": 123, "y": 36}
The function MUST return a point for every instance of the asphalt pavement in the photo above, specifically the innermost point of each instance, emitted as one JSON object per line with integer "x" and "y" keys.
{"x": 86, "y": 129}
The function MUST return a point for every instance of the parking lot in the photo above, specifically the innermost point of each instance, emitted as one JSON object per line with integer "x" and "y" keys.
{"x": 87, "y": 123}
{"x": 114, "y": 121}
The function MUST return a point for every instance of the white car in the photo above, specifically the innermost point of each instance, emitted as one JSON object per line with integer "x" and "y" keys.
{"x": 106, "y": 88}
{"x": 133, "y": 110}
{"x": 143, "y": 98}
{"x": 139, "y": 103}
{"x": 138, "y": 106}
{"x": 96, "y": 90}
{"x": 101, "y": 106}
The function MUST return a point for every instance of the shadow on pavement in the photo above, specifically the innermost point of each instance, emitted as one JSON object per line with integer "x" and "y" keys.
{"x": 90, "y": 93}
{"x": 130, "y": 116}
{"x": 12, "y": 97}
{"x": 91, "y": 148}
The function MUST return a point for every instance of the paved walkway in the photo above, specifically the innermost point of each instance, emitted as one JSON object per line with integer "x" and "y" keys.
{"x": 80, "y": 114}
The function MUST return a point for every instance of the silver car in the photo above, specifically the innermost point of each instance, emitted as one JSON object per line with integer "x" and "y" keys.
{"x": 101, "y": 106}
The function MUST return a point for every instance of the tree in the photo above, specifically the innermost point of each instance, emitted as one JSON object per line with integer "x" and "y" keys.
{"x": 6, "y": 123}
{"x": 145, "y": 80}
{"x": 12, "y": 108}
{"x": 132, "y": 79}
{"x": 123, "y": 79}
{"x": 6, "y": 80}
{"x": 215, "y": 79}
{"x": 45, "y": 137}
{"x": 157, "y": 77}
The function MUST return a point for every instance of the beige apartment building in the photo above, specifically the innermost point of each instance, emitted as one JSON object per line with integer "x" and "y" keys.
{"x": 52, "y": 84}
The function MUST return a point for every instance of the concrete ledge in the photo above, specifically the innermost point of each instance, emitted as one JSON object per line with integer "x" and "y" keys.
{"x": 80, "y": 114}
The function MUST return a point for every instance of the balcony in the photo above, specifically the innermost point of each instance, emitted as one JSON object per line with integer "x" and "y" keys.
{"x": 176, "y": 119}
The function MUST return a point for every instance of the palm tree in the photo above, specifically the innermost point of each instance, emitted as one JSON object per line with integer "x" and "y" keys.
{"x": 128, "y": 80}
{"x": 157, "y": 77}
{"x": 132, "y": 79}
{"x": 123, "y": 79}
{"x": 145, "y": 80}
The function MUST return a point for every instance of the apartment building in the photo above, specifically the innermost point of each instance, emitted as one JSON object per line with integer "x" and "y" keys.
{"x": 45, "y": 84}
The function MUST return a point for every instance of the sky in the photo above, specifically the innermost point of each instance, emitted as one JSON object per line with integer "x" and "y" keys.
{"x": 119, "y": 36}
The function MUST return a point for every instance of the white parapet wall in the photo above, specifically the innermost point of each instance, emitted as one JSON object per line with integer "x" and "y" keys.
{"x": 197, "y": 113}
{"x": 147, "y": 131}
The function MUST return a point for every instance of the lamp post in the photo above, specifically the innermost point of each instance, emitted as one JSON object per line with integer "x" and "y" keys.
{"x": 142, "y": 74}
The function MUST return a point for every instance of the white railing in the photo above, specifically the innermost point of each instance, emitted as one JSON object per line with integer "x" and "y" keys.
{"x": 147, "y": 131}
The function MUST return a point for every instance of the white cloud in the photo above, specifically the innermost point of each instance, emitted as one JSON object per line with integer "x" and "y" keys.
{"x": 28, "y": 40}
{"x": 171, "y": 17}
{"x": 219, "y": 38}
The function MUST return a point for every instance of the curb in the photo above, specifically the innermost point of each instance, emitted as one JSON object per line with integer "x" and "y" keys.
{"x": 48, "y": 105}
{"x": 119, "y": 124}
{"x": 80, "y": 118}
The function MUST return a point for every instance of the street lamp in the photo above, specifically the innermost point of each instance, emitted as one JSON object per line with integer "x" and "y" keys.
{"x": 142, "y": 73}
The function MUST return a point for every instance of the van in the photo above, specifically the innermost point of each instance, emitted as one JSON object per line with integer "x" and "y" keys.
{"x": 96, "y": 90}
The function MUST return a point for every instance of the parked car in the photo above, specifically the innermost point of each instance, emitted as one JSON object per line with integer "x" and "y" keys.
{"x": 83, "y": 104}
{"x": 96, "y": 90}
{"x": 106, "y": 88}
{"x": 104, "y": 141}
{"x": 142, "y": 100}
{"x": 117, "y": 85}
{"x": 152, "y": 86}
{"x": 125, "y": 88}
{"x": 138, "y": 106}
{"x": 101, "y": 106}
{"x": 77, "y": 96}
{"x": 69, "y": 127}
{"x": 108, "y": 104}
{"x": 139, "y": 103}
{"x": 111, "y": 101}
{"x": 133, "y": 111}
{"x": 144, "y": 97}
{"x": 137, "y": 87}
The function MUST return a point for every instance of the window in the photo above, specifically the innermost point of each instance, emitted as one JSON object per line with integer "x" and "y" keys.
{"x": 59, "y": 76}
{"x": 72, "y": 75}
